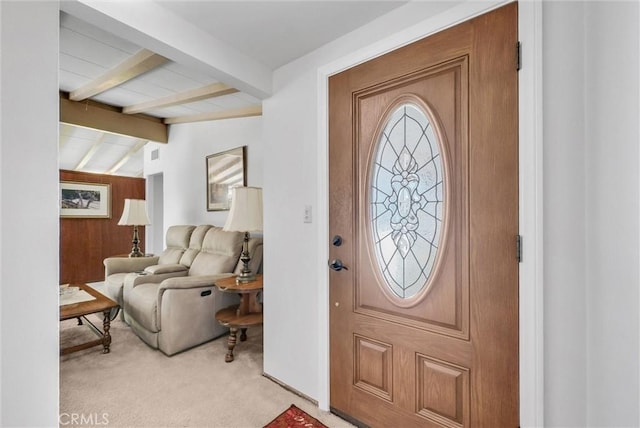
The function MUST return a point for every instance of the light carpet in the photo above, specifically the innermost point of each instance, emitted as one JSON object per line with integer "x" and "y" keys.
{"x": 136, "y": 386}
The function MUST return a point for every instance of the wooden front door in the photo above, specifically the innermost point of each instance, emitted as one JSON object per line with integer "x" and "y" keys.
{"x": 423, "y": 225}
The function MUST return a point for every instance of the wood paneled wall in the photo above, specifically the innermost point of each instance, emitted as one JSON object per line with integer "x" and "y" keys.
{"x": 86, "y": 242}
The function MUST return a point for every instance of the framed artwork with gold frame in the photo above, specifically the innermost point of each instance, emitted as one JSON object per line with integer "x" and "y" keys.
{"x": 85, "y": 200}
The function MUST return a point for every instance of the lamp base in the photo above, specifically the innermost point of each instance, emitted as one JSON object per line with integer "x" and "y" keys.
{"x": 246, "y": 275}
{"x": 136, "y": 253}
{"x": 135, "y": 250}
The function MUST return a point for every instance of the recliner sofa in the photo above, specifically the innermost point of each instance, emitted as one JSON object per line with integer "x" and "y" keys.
{"x": 172, "y": 306}
{"x": 177, "y": 240}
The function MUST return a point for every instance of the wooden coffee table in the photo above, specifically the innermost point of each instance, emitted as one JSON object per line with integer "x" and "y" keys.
{"x": 101, "y": 303}
{"x": 247, "y": 314}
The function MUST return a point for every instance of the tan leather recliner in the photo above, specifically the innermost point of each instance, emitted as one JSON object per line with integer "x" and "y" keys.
{"x": 167, "y": 264}
{"x": 169, "y": 269}
{"x": 178, "y": 313}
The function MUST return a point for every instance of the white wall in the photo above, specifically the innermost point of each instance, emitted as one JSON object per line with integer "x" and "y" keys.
{"x": 29, "y": 214}
{"x": 591, "y": 190}
{"x": 182, "y": 163}
{"x": 612, "y": 118}
{"x": 292, "y": 248}
{"x": 565, "y": 288}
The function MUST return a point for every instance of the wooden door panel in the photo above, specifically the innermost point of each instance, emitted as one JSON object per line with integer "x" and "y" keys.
{"x": 443, "y": 307}
{"x": 443, "y": 391}
{"x": 437, "y": 345}
{"x": 423, "y": 325}
{"x": 373, "y": 366}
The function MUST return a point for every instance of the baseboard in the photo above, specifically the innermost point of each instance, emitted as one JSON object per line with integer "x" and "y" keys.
{"x": 338, "y": 413}
{"x": 290, "y": 389}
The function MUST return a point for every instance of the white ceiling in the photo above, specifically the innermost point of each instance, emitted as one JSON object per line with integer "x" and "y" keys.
{"x": 270, "y": 32}
{"x": 86, "y": 52}
{"x": 277, "y": 32}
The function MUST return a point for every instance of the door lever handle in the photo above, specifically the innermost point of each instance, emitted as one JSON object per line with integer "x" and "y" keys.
{"x": 336, "y": 264}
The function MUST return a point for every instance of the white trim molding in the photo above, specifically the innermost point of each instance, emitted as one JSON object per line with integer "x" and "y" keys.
{"x": 530, "y": 203}
{"x": 531, "y": 215}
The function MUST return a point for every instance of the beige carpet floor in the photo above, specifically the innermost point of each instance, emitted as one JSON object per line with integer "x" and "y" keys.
{"x": 136, "y": 386}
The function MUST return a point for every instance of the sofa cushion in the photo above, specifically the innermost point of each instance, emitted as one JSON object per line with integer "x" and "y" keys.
{"x": 177, "y": 241}
{"x": 219, "y": 254}
{"x": 142, "y": 305}
{"x": 195, "y": 244}
{"x": 170, "y": 256}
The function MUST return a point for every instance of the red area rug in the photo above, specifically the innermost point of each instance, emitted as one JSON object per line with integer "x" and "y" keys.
{"x": 294, "y": 417}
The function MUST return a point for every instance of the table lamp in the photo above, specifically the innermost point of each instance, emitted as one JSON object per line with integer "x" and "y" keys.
{"x": 134, "y": 214}
{"x": 245, "y": 216}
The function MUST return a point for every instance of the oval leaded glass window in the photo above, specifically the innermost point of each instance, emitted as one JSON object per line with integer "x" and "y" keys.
{"x": 407, "y": 200}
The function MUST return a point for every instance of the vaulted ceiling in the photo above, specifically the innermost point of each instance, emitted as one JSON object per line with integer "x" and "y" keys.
{"x": 117, "y": 95}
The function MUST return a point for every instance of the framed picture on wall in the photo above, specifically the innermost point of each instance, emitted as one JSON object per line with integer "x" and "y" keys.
{"x": 85, "y": 200}
{"x": 225, "y": 171}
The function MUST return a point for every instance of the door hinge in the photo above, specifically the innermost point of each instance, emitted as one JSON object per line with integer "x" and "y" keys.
{"x": 518, "y": 56}
{"x": 519, "y": 248}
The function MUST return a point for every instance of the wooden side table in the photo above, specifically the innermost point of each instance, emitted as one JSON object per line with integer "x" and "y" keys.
{"x": 247, "y": 314}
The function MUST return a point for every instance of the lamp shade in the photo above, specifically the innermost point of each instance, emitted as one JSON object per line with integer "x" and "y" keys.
{"x": 246, "y": 210}
{"x": 134, "y": 213}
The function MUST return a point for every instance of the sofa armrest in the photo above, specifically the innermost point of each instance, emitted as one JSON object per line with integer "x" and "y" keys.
{"x": 134, "y": 279}
{"x": 124, "y": 264}
{"x": 192, "y": 281}
{"x": 166, "y": 268}
{"x": 184, "y": 286}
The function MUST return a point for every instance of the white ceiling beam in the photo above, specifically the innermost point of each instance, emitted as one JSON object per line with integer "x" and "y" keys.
{"x": 137, "y": 146}
{"x": 92, "y": 151}
{"x": 143, "y": 61}
{"x": 150, "y": 25}
{"x": 218, "y": 115}
{"x": 208, "y": 91}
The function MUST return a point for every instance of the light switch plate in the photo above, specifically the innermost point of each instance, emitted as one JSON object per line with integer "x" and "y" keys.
{"x": 307, "y": 214}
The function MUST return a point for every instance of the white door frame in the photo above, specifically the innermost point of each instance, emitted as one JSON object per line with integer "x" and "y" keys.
{"x": 530, "y": 182}
{"x": 154, "y": 233}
